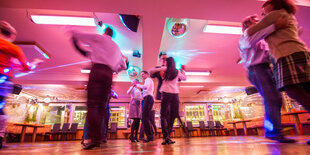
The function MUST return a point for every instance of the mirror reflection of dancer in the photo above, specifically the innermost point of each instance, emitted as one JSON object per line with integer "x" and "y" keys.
{"x": 169, "y": 110}
{"x": 8, "y": 55}
{"x": 106, "y": 58}
{"x": 134, "y": 110}
{"x": 255, "y": 56}
{"x": 292, "y": 70}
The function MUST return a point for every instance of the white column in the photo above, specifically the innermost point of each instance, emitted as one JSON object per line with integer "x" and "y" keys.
{"x": 39, "y": 112}
{"x": 71, "y": 114}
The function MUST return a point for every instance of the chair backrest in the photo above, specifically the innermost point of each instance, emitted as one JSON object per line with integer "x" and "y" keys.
{"x": 74, "y": 127}
{"x": 189, "y": 125}
{"x": 113, "y": 127}
{"x": 202, "y": 125}
{"x": 211, "y": 124}
{"x": 65, "y": 127}
{"x": 56, "y": 127}
{"x": 218, "y": 124}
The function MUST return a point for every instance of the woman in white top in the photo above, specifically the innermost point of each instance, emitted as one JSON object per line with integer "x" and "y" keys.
{"x": 134, "y": 110}
{"x": 170, "y": 98}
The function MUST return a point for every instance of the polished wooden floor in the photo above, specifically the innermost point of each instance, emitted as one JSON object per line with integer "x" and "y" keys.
{"x": 241, "y": 145}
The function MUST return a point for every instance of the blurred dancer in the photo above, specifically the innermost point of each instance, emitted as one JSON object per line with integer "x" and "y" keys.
{"x": 106, "y": 117}
{"x": 106, "y": 58}
{"x": 105, "y": 125}
{"x": 255, "y": 56}
{"x": 292, "y": 69}
{"x": 9, "y": 53}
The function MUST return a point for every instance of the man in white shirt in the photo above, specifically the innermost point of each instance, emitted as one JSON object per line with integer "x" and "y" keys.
{"x": 148, "y": 101}
{"x": 159, "y": 75}
{"x": 254, "y": 53}
{"x": 106, "y": 58}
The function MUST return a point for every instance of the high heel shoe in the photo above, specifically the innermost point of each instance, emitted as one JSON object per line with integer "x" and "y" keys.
{"x": 132, "y": 139}
{"x": 90, "y": 146}
{"x": 167, "y": 141}
{"x": 171, "y": 141}
{"x": 137, "y": 139}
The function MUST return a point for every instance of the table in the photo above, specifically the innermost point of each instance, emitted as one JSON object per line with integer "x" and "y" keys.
{"x": 24, "y": 127}
{"x": 244, "y": 126}
{"x": 296, "y": 120}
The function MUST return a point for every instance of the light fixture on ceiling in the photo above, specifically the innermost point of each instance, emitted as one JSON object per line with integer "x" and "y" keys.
{"x": 200, "y": 73}
{"x": 225, "y": 100}
{"x": 33, "y": 50}
{"x": 63, "y": 20}
{"x": 127, "y": 52}
{"x": 133, "y": 71}
{"x": 86, "y": 71}
{"x": 177, "y": 27}
{"x": 191, "y": 86}
{"x": 222, "y": 29}
{"x": 47, "y": 100}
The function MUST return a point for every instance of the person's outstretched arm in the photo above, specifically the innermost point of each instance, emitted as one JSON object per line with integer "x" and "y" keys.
{"x": 268, "y": 20}
{"x": 77, "y": 47}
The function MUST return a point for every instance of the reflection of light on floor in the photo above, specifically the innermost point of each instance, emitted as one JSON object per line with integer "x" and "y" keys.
{"x": 237, "y": 142}
{"x": 267, "y": 143}
{"x": 197, "y": 145}
{"x": 14, "y": 146}
{"x": 49, "y": 144}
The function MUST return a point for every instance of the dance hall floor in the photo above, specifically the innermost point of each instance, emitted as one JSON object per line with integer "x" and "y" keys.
{"x": 249, "y": 145}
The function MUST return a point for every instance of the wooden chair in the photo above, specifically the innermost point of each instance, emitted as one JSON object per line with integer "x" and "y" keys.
{"x": 113, "y": 130}
{"x": 72, "y": 131}
{"x": 64, "y": 131}
{"x": 221, "y": 128}
{"x": 212, "y": 128}
{"x": 203, "y": 128}
{"x": 191, "y": 129}
{"x": 54, "y": 132}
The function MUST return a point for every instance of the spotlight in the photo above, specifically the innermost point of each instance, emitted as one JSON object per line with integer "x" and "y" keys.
{"x": 47, "y": 100}
{"x": 136, "y": 53}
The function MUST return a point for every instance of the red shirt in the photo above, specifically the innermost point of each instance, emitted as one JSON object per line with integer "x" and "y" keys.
{"x": 7, "y": 51}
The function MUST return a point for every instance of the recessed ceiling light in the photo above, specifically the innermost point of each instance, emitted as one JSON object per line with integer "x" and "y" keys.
{"x": 85, "y": 71}
{"x": 222, "y": 29}
{"x": 201, "y": 73}
{"x": 191, "y": 86}
{"x": 63, "y": 20}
